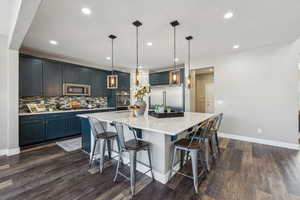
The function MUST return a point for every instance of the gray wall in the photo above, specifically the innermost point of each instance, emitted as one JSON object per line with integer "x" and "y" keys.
{"x": 257, "y": 89}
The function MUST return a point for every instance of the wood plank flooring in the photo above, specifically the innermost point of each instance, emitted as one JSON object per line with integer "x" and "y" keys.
{"x": 244, "y": 171}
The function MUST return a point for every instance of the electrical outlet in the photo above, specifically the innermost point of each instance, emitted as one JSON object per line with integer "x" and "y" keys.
{"x": 259, "y": 130}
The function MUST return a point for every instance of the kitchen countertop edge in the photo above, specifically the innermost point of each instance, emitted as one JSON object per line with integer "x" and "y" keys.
{"x": 66, "y": 111}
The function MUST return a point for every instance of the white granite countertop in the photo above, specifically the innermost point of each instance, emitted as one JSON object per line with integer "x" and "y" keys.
{"x": 168, "y": 126}
{"x": 66, "y": 111}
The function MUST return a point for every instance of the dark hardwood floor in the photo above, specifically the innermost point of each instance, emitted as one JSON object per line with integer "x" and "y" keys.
{"x": 244, "y": 171}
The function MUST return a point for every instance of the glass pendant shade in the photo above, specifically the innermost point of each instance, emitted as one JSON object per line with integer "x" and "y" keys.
{"x": 112, "y": 81}
{"x": 137, "y": 77}
{"x": 189, "y": 81}
{"x": 174, "y": 77}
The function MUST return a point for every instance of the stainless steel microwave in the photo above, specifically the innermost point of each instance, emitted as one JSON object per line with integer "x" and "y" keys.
{"x": 70, "y": 89}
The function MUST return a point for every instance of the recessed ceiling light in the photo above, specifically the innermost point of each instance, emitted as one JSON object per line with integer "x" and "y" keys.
{"x": 86, "y": 11}
{"x": 149, "y": 43}
{"x": 228, "y": 15}
{"x": 53, "y": 42}
{"x": 176, "y": 59}
{"x": 108, "y": 58}
{"x": 211, "y": 69}
{"x": 140, "y": 66}
{"x": 236, "y": 46}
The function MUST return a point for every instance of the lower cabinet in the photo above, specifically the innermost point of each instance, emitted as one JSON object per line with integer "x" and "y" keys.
{"x": 44, "y": 127}
{"x": 31, "y": 131}
{"x": 55, "y": 127}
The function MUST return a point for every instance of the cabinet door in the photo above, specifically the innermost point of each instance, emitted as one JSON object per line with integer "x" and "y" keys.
{"x": 182, "y": 76}
{"x": 30, "y": 76}
{"x": 124, "y": 81}
{"x": 52, "y": 78}
{"x": 72, "y": 126}
{"x": 85, "y": 75}
{"x": 55, "y": 127}
{"x": 98, "y": 83}
{"x": 31, "y": 131}
{"x": 71, "y": 73}
{"x": 159, "y": 78}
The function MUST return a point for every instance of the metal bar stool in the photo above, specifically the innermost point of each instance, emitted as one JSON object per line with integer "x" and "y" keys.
{"x": 212, "y": 135}
{"x": 132, "y": 147}
{"x": 192, "y": 147}
{"x": 104, "y": 137}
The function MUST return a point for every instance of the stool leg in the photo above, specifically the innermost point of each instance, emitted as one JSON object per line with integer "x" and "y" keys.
{"x": 173, "y": 162}
{"x": 92, "y": 153}
{"x": 132, "y": 156}
{"x": 102, "y": 154}
{"x": 109, "y": 148}
{"x": 150, "y": 163}
{"x": 217, "y": 141}
{"x": 207, "y": 154}
{"x": 194, "y": 156}
{"x": 182, "y": 154}
{"x": 211, "y": 147}
{"x": 118, "y": 165}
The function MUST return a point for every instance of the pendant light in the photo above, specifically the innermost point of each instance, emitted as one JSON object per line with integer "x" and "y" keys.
{"x": 112, "y": 79}
{"x": 137, "y": 73}
{"x": 175, "y": 74}
{"x": 189, "y": 84}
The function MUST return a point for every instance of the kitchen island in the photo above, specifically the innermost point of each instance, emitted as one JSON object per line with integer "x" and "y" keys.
{"x": 161, "y": 133}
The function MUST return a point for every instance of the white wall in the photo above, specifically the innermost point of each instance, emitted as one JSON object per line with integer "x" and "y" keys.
{"x": 4, "y": 92}
{"x": 258, "y": 89}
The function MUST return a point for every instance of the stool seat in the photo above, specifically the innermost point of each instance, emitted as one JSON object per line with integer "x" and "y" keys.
{"x": 186, "y": 143}
{"x": 136, "y": 144}
{"x": 106, "y": 135}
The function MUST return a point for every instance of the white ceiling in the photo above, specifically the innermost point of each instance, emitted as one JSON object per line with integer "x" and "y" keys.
{"x": 6, "y": 14}
{"x": 85, "y": 38}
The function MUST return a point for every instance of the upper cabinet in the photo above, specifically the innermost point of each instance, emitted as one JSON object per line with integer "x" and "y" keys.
{"x": 99, "y": 83}
{"x": 52, "y": 75}
{"x": 159, "y": 78}
{"x": 162, "y": 78}
{"x": 43, "y": 77}
{"x": 76, "y": 74}
{"x": 123, "y": 81}
{"x": 31, "y": 76}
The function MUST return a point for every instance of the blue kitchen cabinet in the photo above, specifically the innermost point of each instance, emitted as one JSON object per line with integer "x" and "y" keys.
{"x": 55, "y": 126}
{"x": 76, "y": 74}
{"x": 31, "y": 76}
{"x": 31, "y": 130}
{"x": 159, "y": 78}
{"x": 71, "y": 73}
{"x": 98, "y": 85}
{"x": 86, "y": 134}
{"x": 52, "y": 76}
{"x": 124, "y": 81}
{"x": 72, "y": 125}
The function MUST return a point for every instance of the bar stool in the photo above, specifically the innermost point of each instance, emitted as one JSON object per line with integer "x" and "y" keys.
{"x": 132, "y": 147}
{"x": 212, "y": 135}
{"x": 104, "y": 137}
{"x": 192, "y": 147}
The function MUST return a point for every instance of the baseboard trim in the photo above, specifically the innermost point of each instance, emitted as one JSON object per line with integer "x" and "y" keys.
{"x": 260, "y": 141}
{"x": 9, "y": 152}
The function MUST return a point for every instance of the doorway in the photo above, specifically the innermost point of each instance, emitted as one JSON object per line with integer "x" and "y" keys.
{"x": 203, "y": 92}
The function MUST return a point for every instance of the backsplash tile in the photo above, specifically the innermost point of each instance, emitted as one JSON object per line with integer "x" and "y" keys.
{"x": 61, "y": 103}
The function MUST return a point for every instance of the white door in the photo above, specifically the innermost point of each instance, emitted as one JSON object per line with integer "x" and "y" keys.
{"x": 209, "y": 98}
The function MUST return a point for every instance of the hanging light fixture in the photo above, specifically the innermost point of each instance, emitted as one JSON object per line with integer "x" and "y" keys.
{"x": 175, "y": 74}
{"x": 137, "y": 73}
{"x": 189, "y": 84}
{"x": 112, "y": 79}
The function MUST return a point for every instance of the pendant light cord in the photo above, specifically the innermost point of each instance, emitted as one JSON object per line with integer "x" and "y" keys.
{"x": 137, "y": 49}
{"x": 112, "y": 56}
{"x": 175, "y": 48}
{"x": 189, "y": 55}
